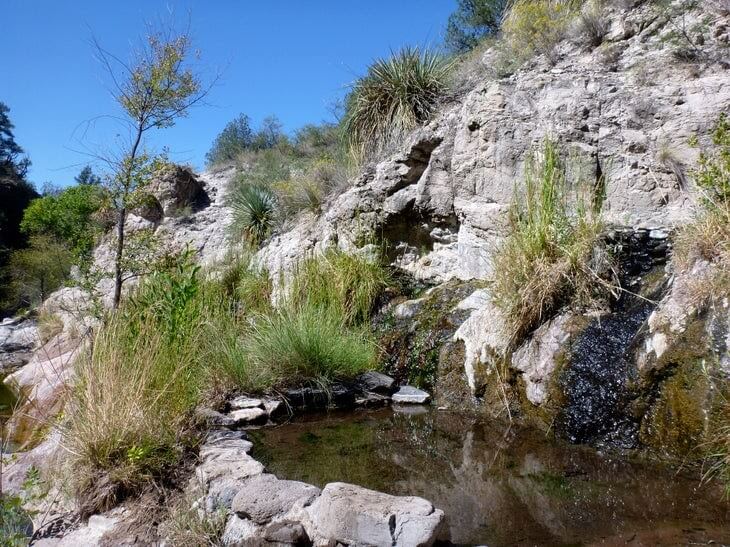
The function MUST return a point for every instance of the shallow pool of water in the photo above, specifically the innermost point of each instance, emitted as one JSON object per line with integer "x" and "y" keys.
{"x": 500, "y": 486}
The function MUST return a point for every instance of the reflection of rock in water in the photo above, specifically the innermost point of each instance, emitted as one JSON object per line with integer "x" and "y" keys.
{"x": 495, "y": 486}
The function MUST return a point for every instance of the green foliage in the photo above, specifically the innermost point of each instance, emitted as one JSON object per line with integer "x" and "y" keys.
{"x": 551, "y": 256}
{"x": 536, "y": 26}
{"x": 160, "y": 87}
{"x": 254, "y": 210}
{"x": 67, "y": 216}
{"x": 341, "y": 284}
{"x": 238, "y": 137}
{"x": 713, "y": 173}
{"x": 472, "y": 21}
{"x": 37, "y": 270}
{"x": 14, "y": 522}
{"x": 393, "y": 97}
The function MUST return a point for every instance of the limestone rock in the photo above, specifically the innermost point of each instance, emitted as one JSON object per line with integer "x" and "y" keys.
{"x": 536, "y": 358}
{"x": 240, "y": 403}
{"x": 410, "y": 395}
{"x": 352, "y": 515}
{"x": 247, "y": 416}
{"x": 264, "y": 497}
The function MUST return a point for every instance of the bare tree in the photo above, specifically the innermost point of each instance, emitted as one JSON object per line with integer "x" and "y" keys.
{"x": 154, "y": 89}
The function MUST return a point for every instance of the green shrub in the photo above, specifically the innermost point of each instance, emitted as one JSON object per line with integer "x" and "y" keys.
{"x": 536, "y": 26}
{"x": 254, "y": 211}
{"x": 344, "y": 284}
{"x": 238, "y": 137}
{"x": 67, "y": 216}
{"x": 393, "y": 97}
{"x": 550, "y": 257}
{"x": 14, "y": 522}
{"x": 37, "y": 270}
{"x": 713, "y": 174}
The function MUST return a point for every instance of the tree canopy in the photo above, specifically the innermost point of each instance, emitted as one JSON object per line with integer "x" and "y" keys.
{"x": 472, "y": 20}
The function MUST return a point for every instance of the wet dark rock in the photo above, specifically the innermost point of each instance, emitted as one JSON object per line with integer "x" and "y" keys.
{"x": 339, "y": 395}
{"x": 376, "y": 382}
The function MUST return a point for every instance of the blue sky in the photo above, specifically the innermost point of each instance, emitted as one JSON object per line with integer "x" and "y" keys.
{"x": 291, "y": 58}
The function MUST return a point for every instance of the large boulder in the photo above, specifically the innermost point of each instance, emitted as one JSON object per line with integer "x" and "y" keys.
{"x": 264, "y": 497}
{"x": 352, "y": 515}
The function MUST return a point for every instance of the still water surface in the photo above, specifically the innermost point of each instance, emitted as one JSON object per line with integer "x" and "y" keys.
{"x": 500, "y": 486}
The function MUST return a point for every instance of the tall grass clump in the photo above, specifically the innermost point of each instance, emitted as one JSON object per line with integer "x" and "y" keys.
{"x": 708, "y": 238}
{"x": 136, "y": 387}
{"x": 306, "y": 344}
{"x": 395, "y": 95}
{"x": 551, "y": 256}
{"x": 706, "y": 243}
{"x": 339, "y": 283}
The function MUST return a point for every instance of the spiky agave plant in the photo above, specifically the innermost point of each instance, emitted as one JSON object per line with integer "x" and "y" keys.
{"x": 394, "y": 96}
{"x": 254, "y": 208}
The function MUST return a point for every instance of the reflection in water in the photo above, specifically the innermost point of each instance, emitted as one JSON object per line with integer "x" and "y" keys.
{"x": 499, "y": 487}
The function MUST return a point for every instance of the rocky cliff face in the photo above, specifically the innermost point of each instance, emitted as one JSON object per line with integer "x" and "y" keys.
{"x": 624, "y": 114}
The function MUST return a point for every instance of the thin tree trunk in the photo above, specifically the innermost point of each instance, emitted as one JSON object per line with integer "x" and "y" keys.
{"x": 118, "y": 273}
{"x": 118, "y": 257}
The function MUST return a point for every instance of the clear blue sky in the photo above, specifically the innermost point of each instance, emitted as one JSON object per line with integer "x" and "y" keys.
{"x": 291, "y": 58}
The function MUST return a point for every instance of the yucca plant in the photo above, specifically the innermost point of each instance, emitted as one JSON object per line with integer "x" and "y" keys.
{"x": 254, "y": 209}
{"x": 393, "y": 97}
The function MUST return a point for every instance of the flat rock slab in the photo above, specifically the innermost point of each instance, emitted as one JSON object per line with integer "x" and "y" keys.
{"x": 375, "y": 382}
{"x": 247, "y": 416}
{"x": 352, "y": 515}
{"x": 410, "y": 395}
{"x": 246, "y": 402}
{"x": 264, "y": 497}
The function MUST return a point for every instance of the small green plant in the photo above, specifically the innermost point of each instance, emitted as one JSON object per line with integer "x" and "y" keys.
{"x": 550, "y": 258}
{"x": 254, "y": 210}
{"x": 15, "y": 524}
{"x": 472, "y": 21}
{"x": 395, "y": 95}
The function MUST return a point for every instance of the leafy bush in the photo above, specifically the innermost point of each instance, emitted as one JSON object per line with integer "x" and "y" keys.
{"x": 37, "y": 271}
{"x": 254, "y": 211}
{"x": 536, "y": 26}
{"x": 550, "y": 258}
{"x": 393, "y": 97}
{"x": 238, "y": 137}
{"x": 67, "y": 216}
{"x": 593, "y": 24}
{"x": 339, "y": 283}
{"x": 472, "y": 21}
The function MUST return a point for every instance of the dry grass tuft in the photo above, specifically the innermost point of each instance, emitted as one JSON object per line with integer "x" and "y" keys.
{"x": 554, "y": 254}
